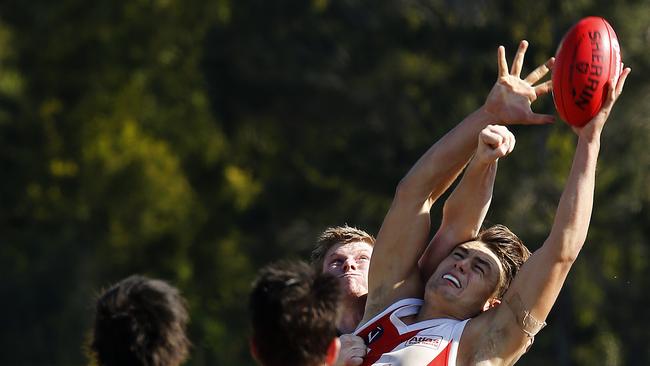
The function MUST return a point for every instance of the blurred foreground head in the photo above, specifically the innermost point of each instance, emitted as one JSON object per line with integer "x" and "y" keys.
{"x": 140, "y": 321}
{"x": 294, "y": 310}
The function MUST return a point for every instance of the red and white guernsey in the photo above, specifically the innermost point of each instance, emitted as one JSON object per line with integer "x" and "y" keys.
{"x": 427, "y": 343}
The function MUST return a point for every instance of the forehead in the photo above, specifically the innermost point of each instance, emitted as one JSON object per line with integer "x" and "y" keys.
{"x": 481, "y": 251}
{"x": 352, "y": 248}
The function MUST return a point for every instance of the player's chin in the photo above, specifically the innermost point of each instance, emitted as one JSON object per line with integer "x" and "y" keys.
{"x": 355, "y": 290}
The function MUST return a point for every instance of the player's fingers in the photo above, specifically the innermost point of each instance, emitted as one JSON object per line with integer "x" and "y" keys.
{"x": 610, "y": 97}
{"x": 512, "y": 143}
{"x": 518, "y": 62}
{"x": 508, "y": 140}
{"x": 491, "y": 138}
{"x": 540, "y": 71}
{"x": 621, "y": 81}
{"x": 544, "y": 88}
{"x": 619, "y": 75}
{"x": 499, "y": 129}
{"x": 501, "y": 61}
{"x": 501, "y": 150}
{"x": 613, "y": 92}
{"x": 539, "y": 119}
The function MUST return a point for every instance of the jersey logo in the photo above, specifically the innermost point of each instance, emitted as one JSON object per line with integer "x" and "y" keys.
{"x": 374, "y": 334}
{"x": 432, "y": 342}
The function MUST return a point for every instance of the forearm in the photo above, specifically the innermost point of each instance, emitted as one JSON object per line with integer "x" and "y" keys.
{"x": 405, "y": 229}
{"x": 463, "y": 213}
{"x": 573, "y": 214}
{"x": 467, "y": 206}
{"x": 536, "y": 286}
{"x": 542, "y": 276}
{"x": 434, "y": 172}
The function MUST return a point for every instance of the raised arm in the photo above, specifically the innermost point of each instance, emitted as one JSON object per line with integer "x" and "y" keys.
{"x": 537, "y": 285}
{"x": 405, "y": 229}
{"x": 466, "y": 207}
{"x": 465, "y": 210}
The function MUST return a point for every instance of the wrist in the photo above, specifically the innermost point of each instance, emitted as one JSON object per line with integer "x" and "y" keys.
{"x": 590, "y": 135}
{"x": 484, "y": 113}
{"x": 483, "y": 163}
{"x": 590, "y": 144}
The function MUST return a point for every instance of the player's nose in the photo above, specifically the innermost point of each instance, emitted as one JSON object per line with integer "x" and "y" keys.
{"x": 349, "y": 265}
{"x": 462, "y": 264}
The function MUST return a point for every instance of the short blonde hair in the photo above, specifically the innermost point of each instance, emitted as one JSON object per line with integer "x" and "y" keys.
{"x": 337, "y": 235}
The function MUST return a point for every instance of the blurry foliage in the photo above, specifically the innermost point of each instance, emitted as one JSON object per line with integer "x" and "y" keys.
{"x": 196, "y": 141}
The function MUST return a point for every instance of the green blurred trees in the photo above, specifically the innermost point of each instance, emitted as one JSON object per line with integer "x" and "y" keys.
{"x": 196, "y": 141}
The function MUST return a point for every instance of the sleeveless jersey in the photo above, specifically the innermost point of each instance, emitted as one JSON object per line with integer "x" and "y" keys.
{"x": 427, "y": 343}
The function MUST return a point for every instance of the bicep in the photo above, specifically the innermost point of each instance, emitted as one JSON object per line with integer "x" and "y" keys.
{"x": 539, "y": 281}
{"x": 400, "y": 242}
{"x": 462, "y": 215}
{"x": 399, "y": 245}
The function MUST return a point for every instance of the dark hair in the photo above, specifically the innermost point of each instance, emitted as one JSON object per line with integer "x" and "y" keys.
{"x": 510, "y": 250}
{"x": 140, "y": 321}
{"x": 294, "y": 310}
{"x": 336, "y": 235}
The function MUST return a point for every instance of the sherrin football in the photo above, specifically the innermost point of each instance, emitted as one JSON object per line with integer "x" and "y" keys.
{"x": 587, "y": 57}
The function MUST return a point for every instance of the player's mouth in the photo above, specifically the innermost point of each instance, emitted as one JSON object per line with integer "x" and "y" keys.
{"x": 453, "y": 280}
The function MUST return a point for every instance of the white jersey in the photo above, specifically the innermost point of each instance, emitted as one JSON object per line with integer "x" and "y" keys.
{"x": 392, "y": 343}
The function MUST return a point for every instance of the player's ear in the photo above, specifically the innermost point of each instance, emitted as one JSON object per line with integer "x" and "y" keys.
{"x": 491, "y": 303}
{"x": 333, "y": 351}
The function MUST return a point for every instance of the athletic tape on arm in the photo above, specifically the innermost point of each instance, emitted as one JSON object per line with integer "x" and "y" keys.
{"x": 525, "y": 320}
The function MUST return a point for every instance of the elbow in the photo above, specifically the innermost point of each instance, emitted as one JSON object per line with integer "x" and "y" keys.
{"x": 568, "y": 245}
{"x": 405, "y": 188}
{"x": 569, "y": 253}
{"x": 567, "y": 258}
{"x": 405, "y": 195}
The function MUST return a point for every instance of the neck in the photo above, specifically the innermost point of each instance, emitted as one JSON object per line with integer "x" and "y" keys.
{"x": 431, "y": 309}
{"x": 352, "y": 313}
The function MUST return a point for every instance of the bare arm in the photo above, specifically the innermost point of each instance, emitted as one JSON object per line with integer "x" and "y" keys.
{"x": 540, "y": 279}
{"x": 466, "y": 207}
{"x": 405, "y": 229}
{"x": 464, "y": 212}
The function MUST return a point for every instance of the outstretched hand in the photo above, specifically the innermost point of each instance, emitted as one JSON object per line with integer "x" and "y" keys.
{"x": 614, "y": 89}
{"x": 494, "y": 142}
{"x": 511, "y": 96}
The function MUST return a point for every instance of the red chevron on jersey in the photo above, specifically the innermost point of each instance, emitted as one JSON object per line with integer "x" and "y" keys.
{"x": 427, "y": 343}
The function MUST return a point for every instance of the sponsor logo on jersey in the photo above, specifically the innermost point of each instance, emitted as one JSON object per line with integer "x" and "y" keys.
{"x": 375, "y": 334}
{"x": 429, "y": 341}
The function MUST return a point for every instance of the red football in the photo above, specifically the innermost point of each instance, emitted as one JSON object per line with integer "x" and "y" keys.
{"x": 587, "y": 57}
